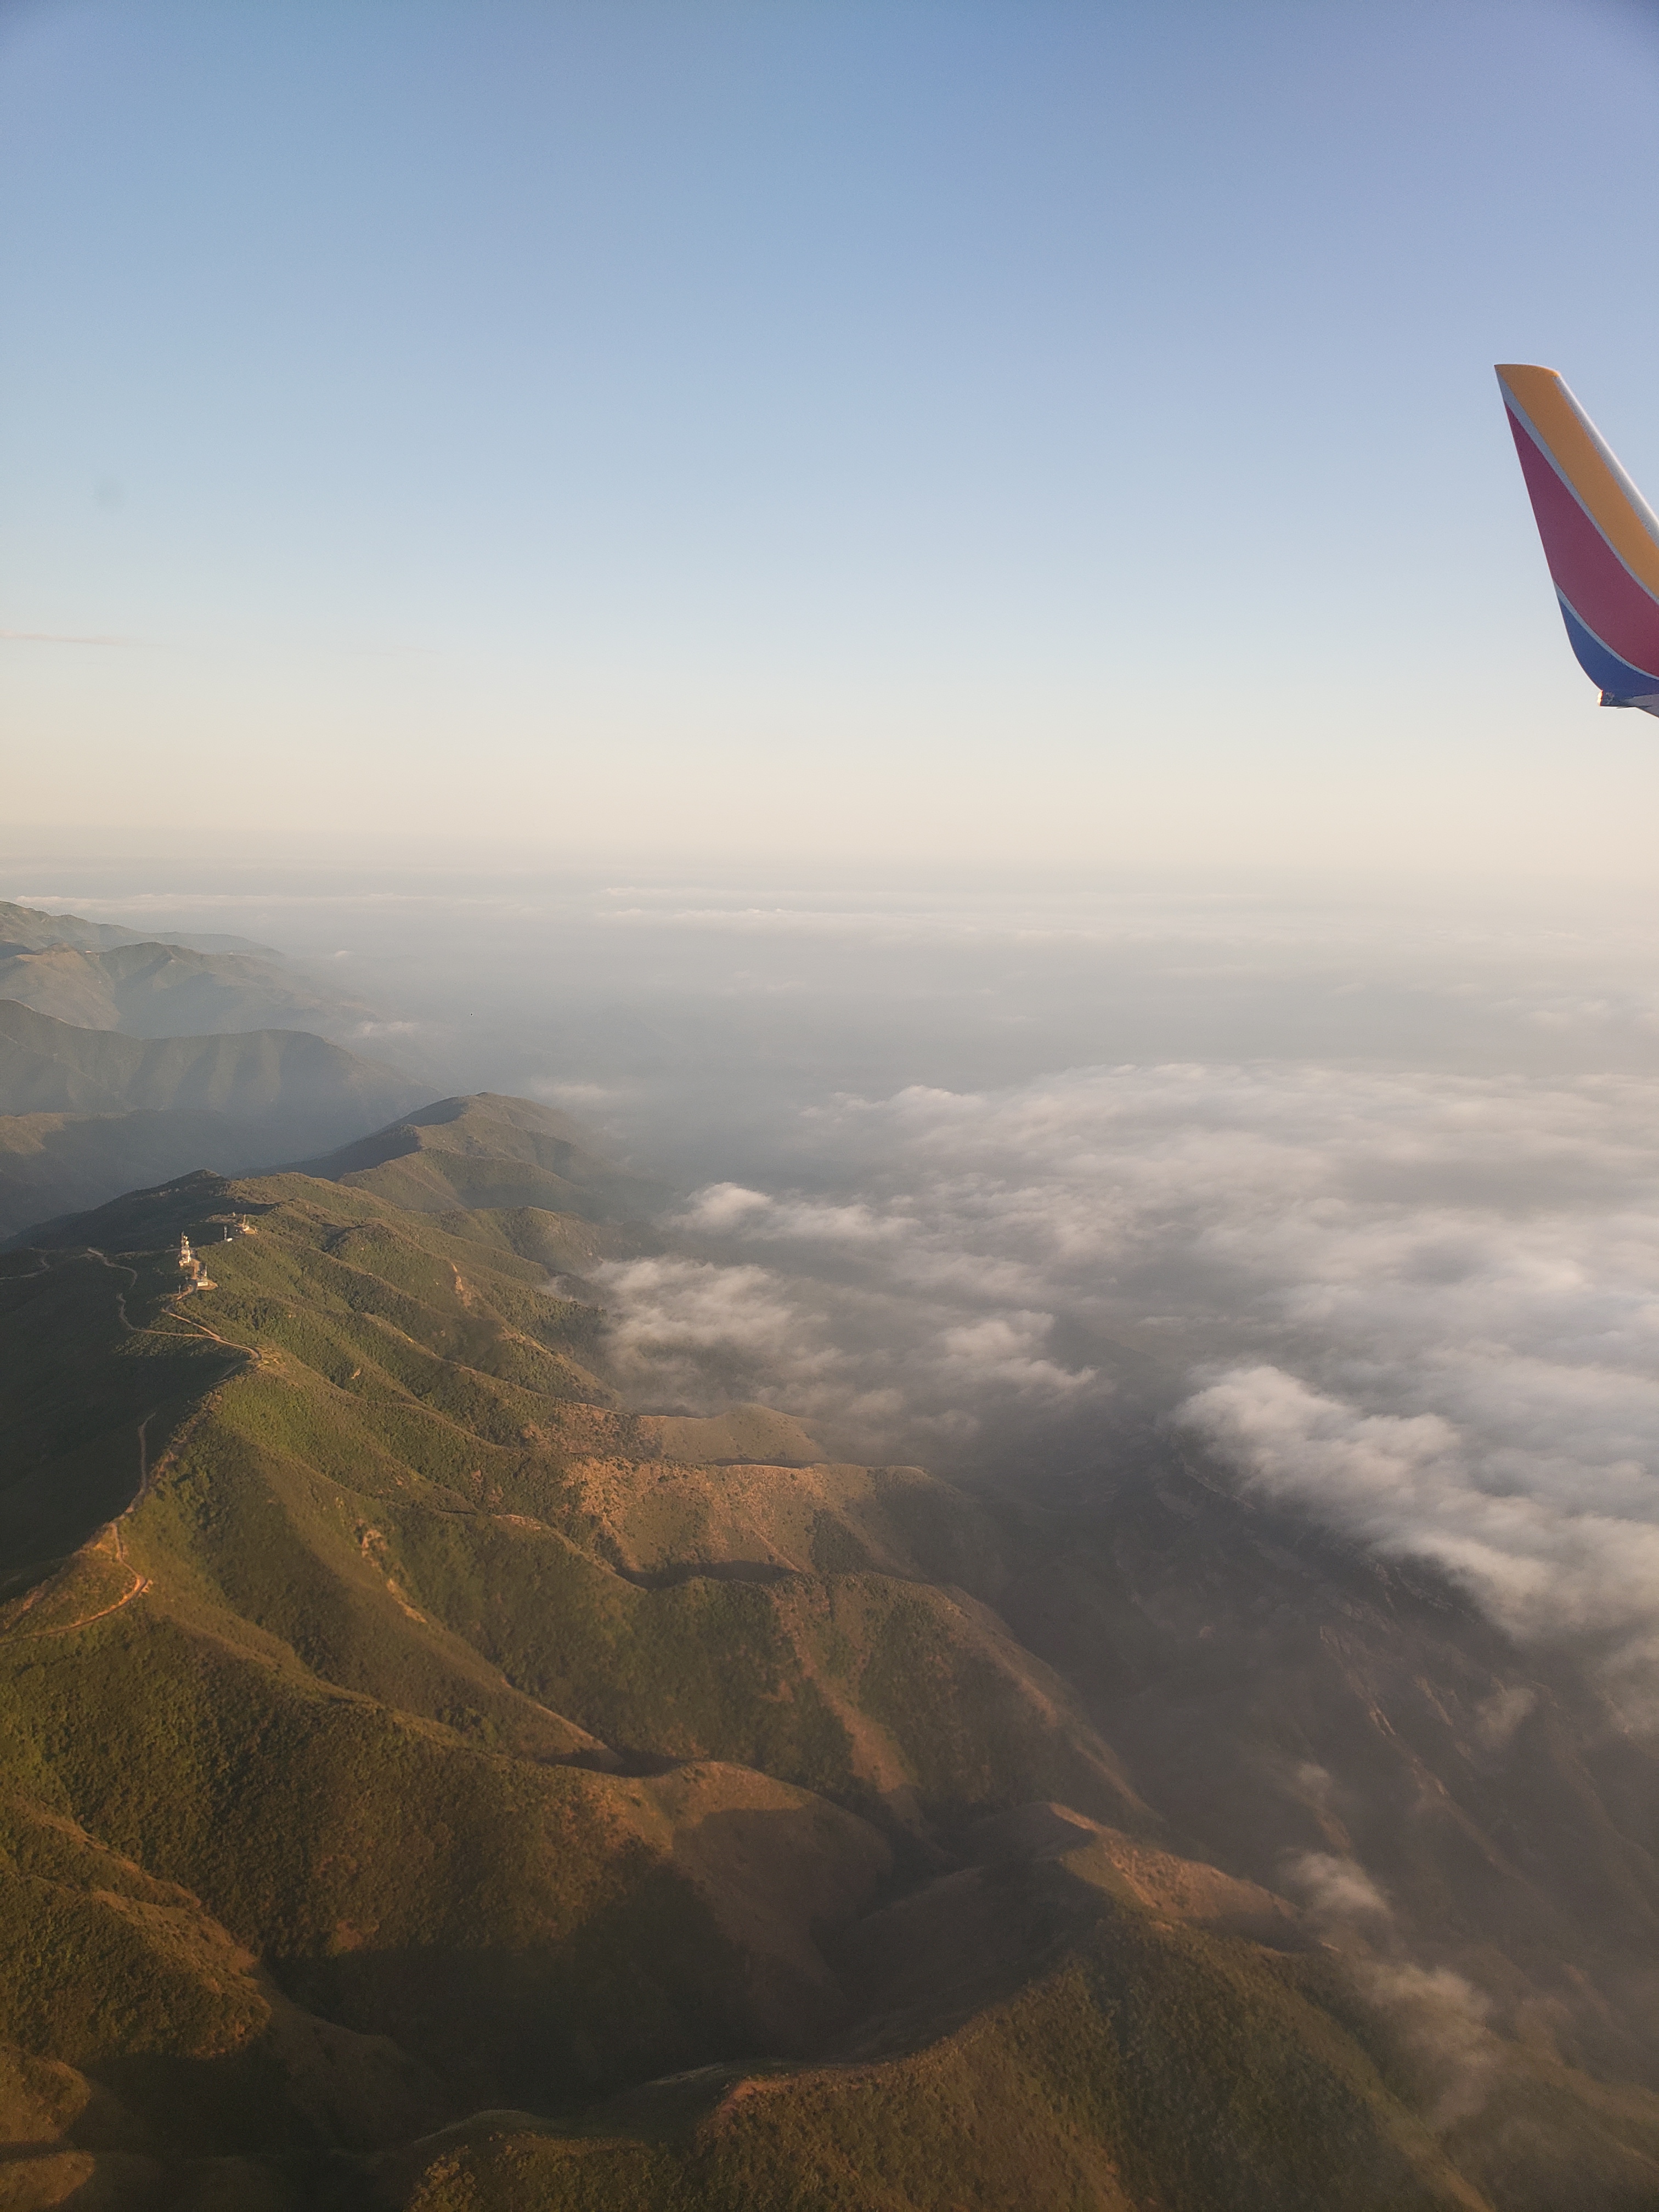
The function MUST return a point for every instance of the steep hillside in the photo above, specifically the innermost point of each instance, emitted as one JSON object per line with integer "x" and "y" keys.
{"x": 430, "y": 1785}
{"x": 54, "y": 1163}
{"x": 86, "y": 1113}
{"x": 1289, "y": 1701}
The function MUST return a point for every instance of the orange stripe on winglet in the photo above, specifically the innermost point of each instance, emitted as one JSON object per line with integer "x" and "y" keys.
{"x": 1554, "y": 414}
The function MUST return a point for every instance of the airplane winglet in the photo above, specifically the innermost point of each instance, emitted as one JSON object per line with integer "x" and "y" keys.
{"x": 1601, "y": 537}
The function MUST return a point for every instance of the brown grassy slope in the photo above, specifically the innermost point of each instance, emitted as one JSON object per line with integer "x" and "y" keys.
{"x": 822, "y": 1518}
{"x": 751, "y": 1433}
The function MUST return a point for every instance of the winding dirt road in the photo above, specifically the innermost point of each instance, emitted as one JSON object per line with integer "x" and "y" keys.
{"x": 112, "y": 1531}
{"x": 111, "y": 1534}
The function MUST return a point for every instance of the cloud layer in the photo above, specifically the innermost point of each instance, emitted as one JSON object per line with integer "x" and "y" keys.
{"x": 1424, "y": 1307}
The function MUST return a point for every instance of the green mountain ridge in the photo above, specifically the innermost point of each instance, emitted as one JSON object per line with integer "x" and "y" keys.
{"x": 431, "y": 1783}
{"x": 488, "y": 1152}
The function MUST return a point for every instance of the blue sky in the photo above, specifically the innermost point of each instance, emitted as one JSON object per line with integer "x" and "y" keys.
{"x": 1046, "y": 435}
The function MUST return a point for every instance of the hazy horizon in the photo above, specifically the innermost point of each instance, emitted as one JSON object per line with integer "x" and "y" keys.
{"x": 1361, "y": 1198}
{"x": 839, "y": 437}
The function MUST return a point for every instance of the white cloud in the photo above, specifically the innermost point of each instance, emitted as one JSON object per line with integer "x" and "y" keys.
{"x": 689, "y": 1304}
{"x": 722, "y": 1206}
{"x": 1539, "y": 1535}
{"x": 1437, "y": 2015}
{"x": 1424, "y": 1307}
{"x": 1003, "y": 1348}
{"x": 583, "y": 1097}
{"x": 1336, "y": 1889}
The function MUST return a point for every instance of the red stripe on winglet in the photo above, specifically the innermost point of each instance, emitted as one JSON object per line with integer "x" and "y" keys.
{"x": 1584, "y": 566}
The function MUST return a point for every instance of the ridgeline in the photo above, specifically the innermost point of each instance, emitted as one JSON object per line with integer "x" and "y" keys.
{"x": 430, "y": 1783}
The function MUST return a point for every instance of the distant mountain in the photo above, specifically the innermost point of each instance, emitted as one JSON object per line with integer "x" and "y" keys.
{"x": 168, "y": 990}
{"x": 85, "y": 1113}
{"x": 27, "y": 929}
{"x": 56, "y": 1163}
{"x": 441, "y": 1787}
{"x": 53, "y": 1067}
{"x": 100, "y": 976}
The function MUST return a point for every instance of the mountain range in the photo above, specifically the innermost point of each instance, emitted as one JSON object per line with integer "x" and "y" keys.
{"x": 126, "y": 1058}
{"x": 85, "y": 1113}
{"x": 31, "y": 929}
{"x": 100, "y": 977}
{"x": 431, "y": 1783}
{"x": 167, "y": 991}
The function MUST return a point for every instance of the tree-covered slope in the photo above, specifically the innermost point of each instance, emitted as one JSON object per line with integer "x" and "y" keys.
{"x": 429, "y": 1783}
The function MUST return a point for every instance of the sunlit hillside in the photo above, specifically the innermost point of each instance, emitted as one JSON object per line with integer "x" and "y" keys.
{"x": 431, "y": 1783}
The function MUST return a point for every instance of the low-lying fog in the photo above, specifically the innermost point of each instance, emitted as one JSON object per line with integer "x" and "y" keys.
{"x": 1362, "y": 1199}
